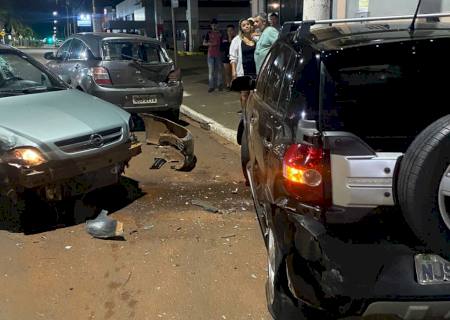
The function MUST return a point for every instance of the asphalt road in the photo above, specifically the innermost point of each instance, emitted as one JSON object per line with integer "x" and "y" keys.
{"x": 178, "y": 261}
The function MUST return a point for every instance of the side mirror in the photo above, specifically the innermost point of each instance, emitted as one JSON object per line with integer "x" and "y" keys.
{"x": 49, "y": 56}
{"x": 244, "y": 83}
{"x": 65, "y": 78}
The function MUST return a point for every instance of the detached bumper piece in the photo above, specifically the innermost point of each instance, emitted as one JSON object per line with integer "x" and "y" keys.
{"x": 179, "y": 140}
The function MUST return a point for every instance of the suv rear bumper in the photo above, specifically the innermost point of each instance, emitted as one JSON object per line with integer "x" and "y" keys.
{"x": 347, "y": 278}
{"x": 169, "y": 97}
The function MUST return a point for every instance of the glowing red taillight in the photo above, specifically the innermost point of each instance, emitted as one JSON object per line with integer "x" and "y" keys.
{"x": 101, "y": 76}
{"x": 306, "y": 170}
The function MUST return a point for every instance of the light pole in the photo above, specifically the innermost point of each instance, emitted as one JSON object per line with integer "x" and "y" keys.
{"x": 94, "y": 26}
{"x": 67, "y": 19}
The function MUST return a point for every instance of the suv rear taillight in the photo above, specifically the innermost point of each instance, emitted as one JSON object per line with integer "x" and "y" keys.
{"x": 174, "y": 76}
{"x": 101, "y": 76}
{"x": 306, "y": 170}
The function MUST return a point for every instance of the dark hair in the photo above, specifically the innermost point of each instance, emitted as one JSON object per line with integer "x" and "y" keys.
{"x": 273, "y": 14}
{"x": 214, "y": 21}
{"x": 230, "y": 26}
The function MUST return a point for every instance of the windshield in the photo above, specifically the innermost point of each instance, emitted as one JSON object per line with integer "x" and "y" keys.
{"x": 19, "y": 76}
{"x": 131, "y": 50}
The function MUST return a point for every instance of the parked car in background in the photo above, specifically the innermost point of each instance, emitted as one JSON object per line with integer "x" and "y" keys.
{"x": 55, "y": 142}
{"x": 346, "y": 143}
{"x": 130, "y": 71}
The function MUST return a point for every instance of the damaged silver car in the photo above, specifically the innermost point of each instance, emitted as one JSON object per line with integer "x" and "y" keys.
{"x": 130, "y": 71}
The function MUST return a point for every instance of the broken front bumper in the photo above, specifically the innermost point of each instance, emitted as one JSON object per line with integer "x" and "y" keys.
{"x": 351, "y": 275}
{"x": 98, "y": 170}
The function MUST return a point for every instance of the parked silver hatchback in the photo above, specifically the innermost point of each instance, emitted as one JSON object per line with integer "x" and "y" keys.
{"x": 130, "y": 71}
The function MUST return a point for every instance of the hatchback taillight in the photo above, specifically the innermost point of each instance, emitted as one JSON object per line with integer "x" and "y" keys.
{"x": 306, "y": 171}
{"x": 101, "y": 76}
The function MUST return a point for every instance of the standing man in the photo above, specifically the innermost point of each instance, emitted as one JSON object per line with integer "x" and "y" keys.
{"x": 275, "y": 21}
{"x": 268, "y": 37}
{"x": 213, "y": 40}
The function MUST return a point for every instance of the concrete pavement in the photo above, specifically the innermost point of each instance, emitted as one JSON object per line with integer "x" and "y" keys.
{"x": 218, "y": 109}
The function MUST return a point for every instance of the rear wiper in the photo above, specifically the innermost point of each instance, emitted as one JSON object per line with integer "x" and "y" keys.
{"x": 133, "y": 58}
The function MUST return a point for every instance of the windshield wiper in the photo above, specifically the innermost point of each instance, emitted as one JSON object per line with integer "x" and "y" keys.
{"x": 30, "y": 90}
{"x": 132, "y": 58}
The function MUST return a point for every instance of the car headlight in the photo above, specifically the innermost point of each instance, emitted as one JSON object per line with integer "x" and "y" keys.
{"x": 25, "y": 157}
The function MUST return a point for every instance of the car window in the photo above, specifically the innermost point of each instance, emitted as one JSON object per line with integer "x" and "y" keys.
{"x": 17, "y": 73}
{"x": 264, "y": 73}
{"x": 288, "y": 83}
{"x": 133, "y": 50}
{"x": 78, "y": 51}
{"x": 63, "y": 51}
{"x": 276, "y": 76}
{"x": 303, "y": 98}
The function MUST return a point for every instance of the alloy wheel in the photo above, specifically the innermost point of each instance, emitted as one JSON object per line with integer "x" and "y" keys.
{"x": 444, "y": 193}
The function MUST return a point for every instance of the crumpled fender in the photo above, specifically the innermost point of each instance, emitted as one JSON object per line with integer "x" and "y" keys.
{"x": 163, "y": 132}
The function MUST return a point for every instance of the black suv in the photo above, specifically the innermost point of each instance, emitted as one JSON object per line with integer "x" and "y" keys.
{"x": 346, "y": 144}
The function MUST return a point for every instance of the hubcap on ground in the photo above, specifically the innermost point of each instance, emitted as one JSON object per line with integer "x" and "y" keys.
{"x": 444, "y": 192}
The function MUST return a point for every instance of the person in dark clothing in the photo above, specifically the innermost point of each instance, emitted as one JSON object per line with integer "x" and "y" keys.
{"x": 242, "y": 59}
{"x": 225, "y": 49}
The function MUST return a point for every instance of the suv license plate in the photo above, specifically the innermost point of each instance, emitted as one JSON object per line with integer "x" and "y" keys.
{"x": 431, "y": 269}
{"x": 145, "y": 99}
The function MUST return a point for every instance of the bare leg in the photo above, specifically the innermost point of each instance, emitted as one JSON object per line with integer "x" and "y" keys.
{"x": 244, "y": 98}
{"x": 227, "y": 74}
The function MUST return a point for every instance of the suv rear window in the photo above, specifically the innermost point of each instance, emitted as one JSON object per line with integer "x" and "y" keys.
{"x": 133, "y": 50}
{"x": 386, "y": 94}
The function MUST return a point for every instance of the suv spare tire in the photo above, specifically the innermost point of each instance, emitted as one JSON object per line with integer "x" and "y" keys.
{"x": 424, "y": 184}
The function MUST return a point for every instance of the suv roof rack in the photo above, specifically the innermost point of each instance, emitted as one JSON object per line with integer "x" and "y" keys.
{"x": 305, "y": 25}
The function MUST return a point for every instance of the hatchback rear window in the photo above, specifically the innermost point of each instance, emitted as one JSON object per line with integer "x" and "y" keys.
{"x": 386, "y": 94}
{"x": 133, "y": 50}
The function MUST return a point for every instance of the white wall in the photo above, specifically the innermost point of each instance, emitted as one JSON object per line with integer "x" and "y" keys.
{"x": 127, "y": 7}
{"x": 379, "y": 8}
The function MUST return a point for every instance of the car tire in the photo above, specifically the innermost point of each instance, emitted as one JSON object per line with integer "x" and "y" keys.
{"x": 245, "y": 157}
{"x": 12, "y": 214}
{"x": 172, "y": 115}
{"x": 425, "y": 166}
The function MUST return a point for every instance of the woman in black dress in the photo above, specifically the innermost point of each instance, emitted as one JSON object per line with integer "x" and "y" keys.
{"x": 242, "y": 59}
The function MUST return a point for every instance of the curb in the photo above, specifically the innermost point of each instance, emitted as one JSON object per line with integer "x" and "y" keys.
{"x": 210, "y": 124}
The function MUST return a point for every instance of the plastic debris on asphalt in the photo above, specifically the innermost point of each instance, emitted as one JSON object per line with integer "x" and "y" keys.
{"x": 205, "y": 205}
{"x": 104, "y": 227}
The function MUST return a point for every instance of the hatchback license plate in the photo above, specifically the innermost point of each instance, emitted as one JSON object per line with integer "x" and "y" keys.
{"x": 145, "y": 99}
{"x": 431, "y": 269}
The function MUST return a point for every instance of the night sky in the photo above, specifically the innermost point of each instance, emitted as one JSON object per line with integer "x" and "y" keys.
{"x": 38, "y": 13}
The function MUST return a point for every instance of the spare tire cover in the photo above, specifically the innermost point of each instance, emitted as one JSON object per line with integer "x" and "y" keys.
{"x": 422, "y": 175}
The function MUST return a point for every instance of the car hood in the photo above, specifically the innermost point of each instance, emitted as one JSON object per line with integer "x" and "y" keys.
{"x": 53, "y": 116}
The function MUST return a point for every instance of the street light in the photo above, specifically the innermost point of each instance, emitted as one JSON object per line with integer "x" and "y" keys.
{"x": 55, "y": 21}
{"x": 55, "y": 13}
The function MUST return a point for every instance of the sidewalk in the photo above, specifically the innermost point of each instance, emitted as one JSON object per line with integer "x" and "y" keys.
{"x": 218, "y": 109}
